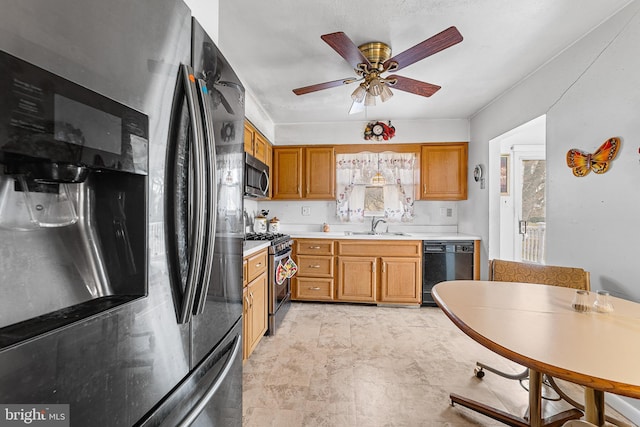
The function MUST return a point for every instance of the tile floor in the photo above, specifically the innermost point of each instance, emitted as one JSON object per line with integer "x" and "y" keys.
{"x": 356, "y": 365}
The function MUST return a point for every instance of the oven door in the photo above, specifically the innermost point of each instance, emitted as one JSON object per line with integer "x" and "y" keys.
{"x": 280, "y": 286}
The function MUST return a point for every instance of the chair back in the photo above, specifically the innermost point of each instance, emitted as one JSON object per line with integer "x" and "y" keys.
{"x": 513, "y": 271}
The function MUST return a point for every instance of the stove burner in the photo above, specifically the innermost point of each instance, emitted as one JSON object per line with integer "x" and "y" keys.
{"x": 265, "y": 236}
{"x": 279, "y": 241}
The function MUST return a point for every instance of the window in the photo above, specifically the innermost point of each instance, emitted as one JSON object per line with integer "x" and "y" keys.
{"x": 375, "y": 184}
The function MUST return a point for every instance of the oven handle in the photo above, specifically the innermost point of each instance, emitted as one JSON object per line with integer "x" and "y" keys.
{"x": 278, "y": 257}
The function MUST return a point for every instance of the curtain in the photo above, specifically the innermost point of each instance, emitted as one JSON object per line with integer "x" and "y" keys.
{"x": 355, "y": 177}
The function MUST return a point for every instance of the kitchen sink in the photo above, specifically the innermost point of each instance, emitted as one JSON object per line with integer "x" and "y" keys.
{"x": 369, "y": 233}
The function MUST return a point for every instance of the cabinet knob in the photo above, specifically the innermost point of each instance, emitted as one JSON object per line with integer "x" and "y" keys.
{"x": 259, "y": 265}
{"x": 314, "y": 266}
{"x": 314, "y": 247}
{"x": 314, "y": 288}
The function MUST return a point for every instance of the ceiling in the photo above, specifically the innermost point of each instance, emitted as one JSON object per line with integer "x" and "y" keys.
{"x": 275, "y": 46}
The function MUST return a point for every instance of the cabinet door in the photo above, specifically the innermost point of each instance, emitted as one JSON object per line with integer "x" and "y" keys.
{"x": 248, "y": 138}
{"x": 401, "y": 280}
{"x": 287, "y": 175}
{"x": 246, "y": 323}
{"x": 443, "y": 172}
{"x": 320, "y": 173}
{"x": 260, "y": 148}
{"x": 357, "y": 279}
{"x": 257, "y": 298}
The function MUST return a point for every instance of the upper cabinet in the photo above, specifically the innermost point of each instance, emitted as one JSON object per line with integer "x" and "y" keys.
{"x": 309, "y": 172}
{"x": 443, "y": 171}
{"x": 256, "y": 144}
{"x": 303, "y": 173}
{"x": 319, "y": 173}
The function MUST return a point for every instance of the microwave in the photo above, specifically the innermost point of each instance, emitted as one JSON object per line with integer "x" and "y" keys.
{"x": 256, "y": 177}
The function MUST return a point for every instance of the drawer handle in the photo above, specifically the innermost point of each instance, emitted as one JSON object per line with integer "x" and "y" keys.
{"x": 314, "y": 288}
{"x": 259, "y": 265}
{"x": 314, "y": 247}
{"x": 314, "y": 266}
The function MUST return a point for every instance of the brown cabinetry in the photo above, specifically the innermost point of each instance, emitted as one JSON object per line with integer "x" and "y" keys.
{"x": 401, "y": 280}
{"x": 256, "y": 144}
{"x": 356, "y": 271}
{"x": 287, "y": 173}
{"x": 314, "y": 280}
{"x": 304, "y": 173}
{"x": 357, "y": 278}
{"x": 443, "y": 171}
{"x": 365, "y": 275}
{"x": 254, "y": 300}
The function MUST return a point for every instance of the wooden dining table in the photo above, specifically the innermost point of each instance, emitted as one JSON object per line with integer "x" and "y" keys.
{"x": 536, "y": 326}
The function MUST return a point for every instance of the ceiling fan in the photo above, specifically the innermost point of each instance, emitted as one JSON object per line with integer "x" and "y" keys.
{"x": 371, "y": 59}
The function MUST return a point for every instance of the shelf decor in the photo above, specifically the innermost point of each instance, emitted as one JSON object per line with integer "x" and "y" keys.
{"x": 379, "y": 131}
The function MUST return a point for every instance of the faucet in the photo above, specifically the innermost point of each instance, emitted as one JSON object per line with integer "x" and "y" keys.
{"x": 374, "y": 223}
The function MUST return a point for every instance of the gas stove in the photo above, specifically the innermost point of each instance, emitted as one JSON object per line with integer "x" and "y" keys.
{"x": 279, "y": 241}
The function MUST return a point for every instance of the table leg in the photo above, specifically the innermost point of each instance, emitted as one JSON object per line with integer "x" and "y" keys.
{"x": 535, "y": 398}
{"x": 594, "y": 406}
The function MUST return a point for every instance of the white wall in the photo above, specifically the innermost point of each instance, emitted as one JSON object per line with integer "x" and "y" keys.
{"x": 351, "y": 132}
{"x": 590, "y": 92}
{"x": 207, "y": 14}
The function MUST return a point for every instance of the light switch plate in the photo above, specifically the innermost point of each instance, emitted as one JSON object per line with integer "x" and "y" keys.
{"x": 306, "y": 210}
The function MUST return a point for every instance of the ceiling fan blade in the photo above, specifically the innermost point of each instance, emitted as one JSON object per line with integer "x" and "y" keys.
{"x": 321, "y": 86}
{"x": 342, "y": 44}
{"x": 434, "y": 44}
{"x": 413, "y": 86}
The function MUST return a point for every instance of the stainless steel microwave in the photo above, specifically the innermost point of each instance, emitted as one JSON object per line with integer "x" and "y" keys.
{"x": 256, "y": 177}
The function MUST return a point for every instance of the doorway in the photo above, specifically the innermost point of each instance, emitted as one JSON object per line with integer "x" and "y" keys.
{"x": 520, "y": 193}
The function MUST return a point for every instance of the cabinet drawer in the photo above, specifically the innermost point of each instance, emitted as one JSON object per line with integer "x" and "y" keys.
{"x": 408, "y": 248}
{"x": 315, "y": 266}
{"x": 256, "y": 264}
{"x": 316, "y": 247}
{"x": 315, "y": 289}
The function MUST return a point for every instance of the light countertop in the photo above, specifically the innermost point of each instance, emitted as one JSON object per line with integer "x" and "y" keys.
{"x": 253, "y": 246}
{"x": 384, "y": 236}
{"x": 250, "y": 247}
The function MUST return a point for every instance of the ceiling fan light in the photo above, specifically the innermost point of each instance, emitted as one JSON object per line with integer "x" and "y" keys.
{"x": 359, "y": 93}
{"x": 386, "y": 93}
{"x": 375, "y": 87}
{"x": 369, "y": 100}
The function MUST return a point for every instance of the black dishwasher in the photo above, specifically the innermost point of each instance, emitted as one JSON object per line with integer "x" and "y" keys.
{"x": 442, "y": 261}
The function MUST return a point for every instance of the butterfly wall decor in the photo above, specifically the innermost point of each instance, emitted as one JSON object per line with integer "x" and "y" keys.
{"x": 582, "y": 163}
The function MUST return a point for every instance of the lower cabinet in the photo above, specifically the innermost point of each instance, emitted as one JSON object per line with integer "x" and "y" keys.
{"x": 357, "y": 279}
{"x": 255, "y": 313}
{"x": 254, "y": 302}
{"x": 362, "y": 274}
{"x": 401, "y": 280}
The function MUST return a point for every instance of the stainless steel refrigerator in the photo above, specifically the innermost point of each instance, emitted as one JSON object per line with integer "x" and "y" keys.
{"x": 121, "y": 153}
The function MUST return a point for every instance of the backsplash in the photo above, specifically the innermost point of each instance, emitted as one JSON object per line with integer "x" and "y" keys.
{"x": 311, "y": 215}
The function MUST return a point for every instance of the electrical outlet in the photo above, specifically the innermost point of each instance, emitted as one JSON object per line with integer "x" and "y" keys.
{"x": 306, "y": 210}
{"x": 449, "y": 212}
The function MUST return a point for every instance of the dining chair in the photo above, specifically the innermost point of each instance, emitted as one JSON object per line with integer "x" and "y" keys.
{"x": 514, "y": 271}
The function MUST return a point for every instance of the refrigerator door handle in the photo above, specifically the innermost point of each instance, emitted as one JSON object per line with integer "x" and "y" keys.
{"x": 197, "y": 216}
{"x": 211, "y": 194}
{"x": 208, "y": 395}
